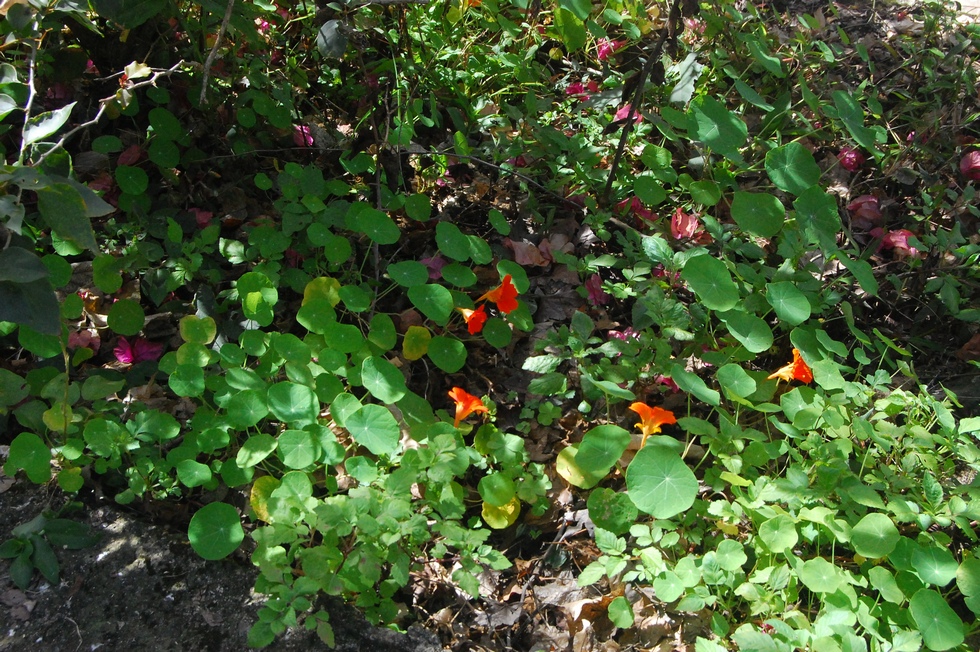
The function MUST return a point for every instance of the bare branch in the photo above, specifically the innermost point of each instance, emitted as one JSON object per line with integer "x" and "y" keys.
{"x": 104, "y": 102}
{"x": 214, "y": 51}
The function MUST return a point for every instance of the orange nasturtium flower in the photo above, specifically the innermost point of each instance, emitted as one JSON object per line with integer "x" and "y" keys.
{"x": 798, "y": 369}
{"x": 475, "y": 319}
{"x": 504, "y": 295}
{"x": 651, "y": 418}
{"x": 466, "y": 404}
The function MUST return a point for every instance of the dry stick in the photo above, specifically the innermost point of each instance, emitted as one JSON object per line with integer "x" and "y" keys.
{"x": 638, "y": 95}
{"x": 214, "y": 51}
{"x": 104, "y": 102}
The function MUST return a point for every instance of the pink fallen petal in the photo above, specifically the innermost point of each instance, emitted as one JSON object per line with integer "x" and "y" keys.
{"x": 202, "y": 217}
{"x": 597, "y": 296}
{"x": 865, "y": 212}
{"x": 970, "y": 165}
{"x": 302, "y": 137}
{"x": 850, "y": 159}
{"x": 624, "y": 112}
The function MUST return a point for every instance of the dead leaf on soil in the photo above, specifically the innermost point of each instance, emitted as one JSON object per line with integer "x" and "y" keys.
{"x": 970, "y": 350}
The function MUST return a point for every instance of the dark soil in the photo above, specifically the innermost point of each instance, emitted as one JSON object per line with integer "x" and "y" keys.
{"x": 142, "y": 587}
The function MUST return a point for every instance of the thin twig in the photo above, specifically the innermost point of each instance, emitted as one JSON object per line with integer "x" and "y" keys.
{"x": 638, "y": 96}
{"x": 214, "y": 51}
{"x": 31, "y": 91}
{"x": 104, "y": 103}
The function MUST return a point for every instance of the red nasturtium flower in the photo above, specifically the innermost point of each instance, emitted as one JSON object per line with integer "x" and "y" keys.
{"x": 466, "y": 404}
{"x": 651, "y": 419}
{"x": 798, "y": 369}
{"x": 475, "y": 319}
{"x": 504, "y": 295}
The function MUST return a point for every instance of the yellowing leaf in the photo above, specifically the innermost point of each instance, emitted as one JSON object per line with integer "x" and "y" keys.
{"x": 501, "y": 517}
{"x": 323, "y": 287}
{"x": 262, "y": 489}
{"x": 416, "y": 342}
{"x": 571, "y": 472}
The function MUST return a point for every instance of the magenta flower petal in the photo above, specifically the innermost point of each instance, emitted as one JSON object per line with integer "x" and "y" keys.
{"x": 970, "y": 165}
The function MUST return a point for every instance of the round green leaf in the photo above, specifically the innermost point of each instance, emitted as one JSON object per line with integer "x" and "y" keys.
{"x": 968, "y": 577}
{"x": 792, "y": 168}
{"x": 30, "y": 453}
{"x": 255, "y": 449}
{"x": 660, "y": 483}
{"x": 418, "y": 207}
{"x": 459, "y": 275}
{"x": 601, "y": 447}
{"x": 710, "y": 280}
{"x": 345, "y": 338}
{"x": 292, "y": 349}
{"x": 293, "y": 403}
{"x": 447, "y": 353}
{"x": 316, "y": 315}
{"x": 246, "y": 408}
{"x": 165, "y": 124}
{"x": 126, "y": 317}
{"x": 201, "y": 330}
{"x": 163, "y": 153}
{"x": 649, "y": 190}
{"x": 874, "y": 536}
{"x": 373, "y": 223}
{"x": 934, "y": 565}
{"x": 375, "y": 428}
{"x": 452, "y": 241}
{"x": 718, "y": 127}
{"x": 735, "y": 380}
{"x": 790, "y": 304}
{"x": 779, "y": 533}
{"x": 215, "y": 531}
{"x": 297, "y": 449}
{"x": 611, "y": 510}
{"x": 187, "y": 380}
{"x": 40, "y": 344}
{"x": 730, "y": 555}
{"x": 383, "y": 379}
{"x": 192, "y": 473}
{"x": 621, "y": 612}
{"x": 434, "y": 301}
{"x": 760, "y": 214}
{"x": 382, "y": 333}
{"x": 355, "y": 299}
{"x": 409, "y": 273}
{"x": 819, "y": 575}
{"x": 753, "y": 332}
{"x": 497, "y": 489}
{"x": 497, "y": 332}
{"x": 884, "y": 582}
{"x": 131, "y": 180}
{"x": 706, "y": 193}
{"x": 690, "y": 382}
{"x": 668, "y": 586}
{"x": 107, "y": 144}
{"x": 939, "y": 625}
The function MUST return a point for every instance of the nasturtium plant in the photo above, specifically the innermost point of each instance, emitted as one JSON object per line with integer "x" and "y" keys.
{"x": 215, "y": 531}
{"x": 659, "y": 482}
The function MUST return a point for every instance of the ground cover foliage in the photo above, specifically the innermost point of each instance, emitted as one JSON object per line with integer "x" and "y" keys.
{"x": 375, "y": 293}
